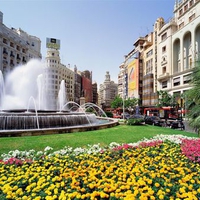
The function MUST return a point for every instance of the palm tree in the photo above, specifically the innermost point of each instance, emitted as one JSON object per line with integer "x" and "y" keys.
{"x": 193, "y": 99}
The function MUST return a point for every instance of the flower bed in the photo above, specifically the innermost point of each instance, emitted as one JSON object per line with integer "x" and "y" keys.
{"x": 159, "y": 168}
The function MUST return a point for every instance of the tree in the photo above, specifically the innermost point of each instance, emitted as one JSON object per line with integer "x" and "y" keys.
{"x": 166, "y": 99}
{"x": 193, "y": 99}
{"x": 128, "y": 103}
{"x": 131, "y": 102}
{"x": 117, "y": 102}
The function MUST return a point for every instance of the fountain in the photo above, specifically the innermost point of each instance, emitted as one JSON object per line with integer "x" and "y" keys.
{"x": 23, "y": 106}
{"x": 61, "y": 95}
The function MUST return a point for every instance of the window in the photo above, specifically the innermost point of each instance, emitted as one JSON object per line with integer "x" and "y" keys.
{"x": 149, "y": 66}
{"x": 149, "y": 53}
{"x": 164, "y": 70}
{"x": 180, "y": 12}
{"x": 164, "y": 84}
{"x": 164, "y": 49}
{"x": 190, "y": 62}
{"x": 12, "y": 44}
{"x": 191, "y": 17}
{"x": 191, "y": 2}
{"x": 186, "y": 78}
{"x": 186, "y": 7}
{"x": 164, "y": 36}
{"x": 18, "y": 48}
{"x": 176, "y": 81}
{"x": 4, "y": 41}
{"x": 181, "y": 25}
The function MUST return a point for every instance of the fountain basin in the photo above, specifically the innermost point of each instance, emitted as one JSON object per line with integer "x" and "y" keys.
{"x": 43, "y": 123}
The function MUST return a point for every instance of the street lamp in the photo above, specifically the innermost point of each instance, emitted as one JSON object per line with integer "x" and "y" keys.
{"x": 181, "y": 113}
{"x": 123, "y": 104}
{"x": 123, "y": 92}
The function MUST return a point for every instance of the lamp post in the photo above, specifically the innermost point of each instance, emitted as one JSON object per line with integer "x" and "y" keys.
{"x": 123, "y": 104}
{"x": 123, "y": 92}
{"x": 181, "y": 113}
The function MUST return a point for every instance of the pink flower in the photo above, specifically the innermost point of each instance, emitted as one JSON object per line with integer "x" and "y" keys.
{"x": 191, "y": 149}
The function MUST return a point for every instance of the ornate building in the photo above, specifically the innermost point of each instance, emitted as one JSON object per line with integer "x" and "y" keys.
{"x": 107, "y": 91}
{"x": 16, "y": 47}
{"x": 166, "y": 56}
{"x": 55, "y": 73}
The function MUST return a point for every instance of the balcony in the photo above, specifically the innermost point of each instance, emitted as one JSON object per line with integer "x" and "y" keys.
{"x": 5, "y": 53}
{"x": 12, "y": 55}
{"x": 147, "y": 43}
{"x": 164, "y": 76}
{"x": 5, "y": 62}
{"x": 18, "y": 58}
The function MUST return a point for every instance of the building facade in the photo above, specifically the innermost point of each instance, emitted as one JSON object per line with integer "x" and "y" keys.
{"x": 77, "y": 85}
{"x": 166, "y": 56}
{"x": 55, "y": 73}
{"x": 87, "y": 86}
{"x": 16, "y": 47}
{"x": 94, "y": 93}
{"x": 183, "y": 39}
{"x": 131, "y": 71}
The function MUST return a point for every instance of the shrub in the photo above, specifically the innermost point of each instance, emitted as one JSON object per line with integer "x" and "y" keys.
{"x": 109, "y": 114}
{"x": 135, "y": 121}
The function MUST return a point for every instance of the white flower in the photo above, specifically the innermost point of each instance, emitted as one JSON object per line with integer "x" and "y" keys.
{"x": 48, "y": 148}
{"x": 39, "y": 153}
{"x": 90, "y": 149}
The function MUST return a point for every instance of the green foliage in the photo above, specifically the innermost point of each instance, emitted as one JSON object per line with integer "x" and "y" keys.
{"x": 131, "y": 102}
{"x": 90, "y": 110}
{"x": 134, "y": 121}
{"x": 117, "y": 102}
{"x": 128, "y": 103}
{"x": 165, "y": 99}
{"x": 109, "y": 114}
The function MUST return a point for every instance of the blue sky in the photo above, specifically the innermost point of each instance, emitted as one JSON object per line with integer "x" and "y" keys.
{"x": 94, "y": 34}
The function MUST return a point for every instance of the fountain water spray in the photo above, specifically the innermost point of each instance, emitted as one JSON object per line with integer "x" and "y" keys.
{"x": 2, "y": 88}
{"x": 21, "y": 84}
{"x": 61, "y": 96}
{"x": 41, "y": 92}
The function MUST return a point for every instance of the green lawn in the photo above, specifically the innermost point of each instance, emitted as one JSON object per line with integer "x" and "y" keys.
{"x": 119, "y": 134}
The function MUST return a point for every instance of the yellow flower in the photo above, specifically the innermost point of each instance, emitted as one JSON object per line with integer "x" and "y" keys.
{"x": 182, "y": 190}
{"x": 161, "y": 196}
{"x": 157, "y": 184}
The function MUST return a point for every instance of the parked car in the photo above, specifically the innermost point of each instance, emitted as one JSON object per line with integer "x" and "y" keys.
{"x": 153, "y": 120}
{"x": 177, "y": 124}
{"x": 174, "y": 124}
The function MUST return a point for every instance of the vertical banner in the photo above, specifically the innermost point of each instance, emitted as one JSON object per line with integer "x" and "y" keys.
{"x": 132, "y": 78}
